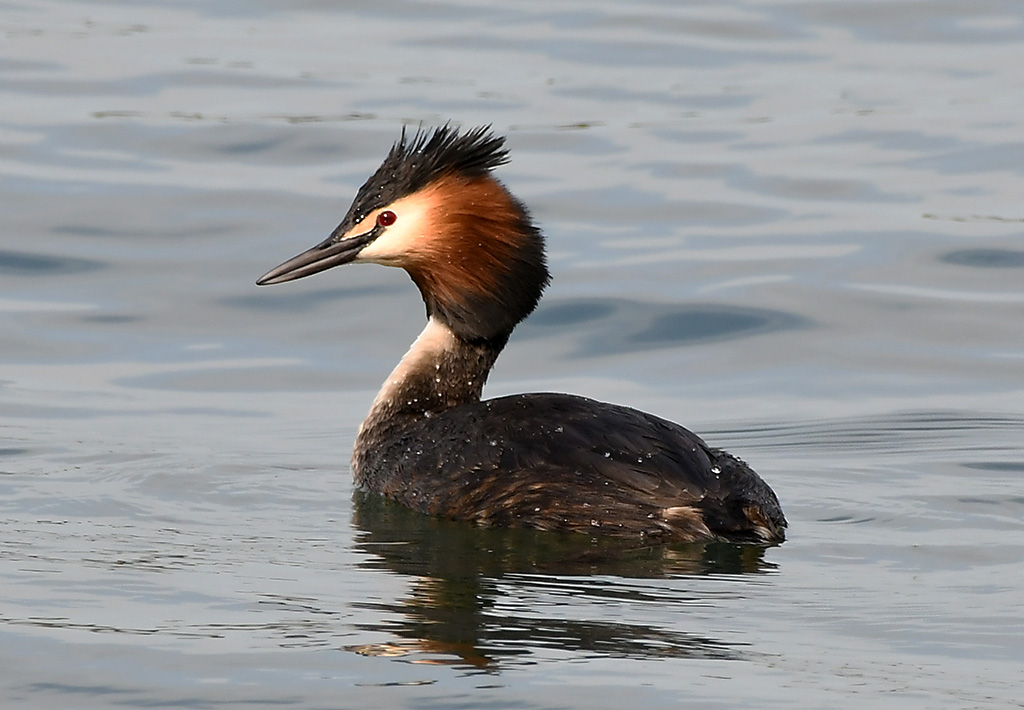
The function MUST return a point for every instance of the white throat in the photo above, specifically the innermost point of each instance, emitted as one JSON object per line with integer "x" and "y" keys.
{"x": 425, "y": 352}
{"x": 441, "y": 371}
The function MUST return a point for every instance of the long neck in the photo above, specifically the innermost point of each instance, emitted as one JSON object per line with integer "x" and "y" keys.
{"x": 440, "y": 371}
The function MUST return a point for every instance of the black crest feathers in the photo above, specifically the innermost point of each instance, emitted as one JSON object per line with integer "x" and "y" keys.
{"x": 414, "y": 162}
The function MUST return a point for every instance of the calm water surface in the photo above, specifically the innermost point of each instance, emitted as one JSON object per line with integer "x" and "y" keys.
{"x": 794, "y": 226}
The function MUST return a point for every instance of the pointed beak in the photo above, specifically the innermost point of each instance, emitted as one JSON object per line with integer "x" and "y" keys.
{"x": 333, "y": 251}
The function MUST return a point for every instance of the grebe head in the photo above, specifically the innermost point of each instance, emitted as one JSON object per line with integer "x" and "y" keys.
{"x": 434, "y": 209}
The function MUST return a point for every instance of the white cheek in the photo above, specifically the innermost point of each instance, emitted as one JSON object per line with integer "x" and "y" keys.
{"x": 399, "y": 241}
{"x": 394, "y": 244}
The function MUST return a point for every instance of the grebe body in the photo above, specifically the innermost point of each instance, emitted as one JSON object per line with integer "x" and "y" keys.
{"x": 549, "y": 461}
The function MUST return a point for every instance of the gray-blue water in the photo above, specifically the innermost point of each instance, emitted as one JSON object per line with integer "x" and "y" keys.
{"x": 795, "y": 227}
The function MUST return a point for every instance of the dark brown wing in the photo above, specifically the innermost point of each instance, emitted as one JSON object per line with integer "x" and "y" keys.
{"x": 561, "y": 462}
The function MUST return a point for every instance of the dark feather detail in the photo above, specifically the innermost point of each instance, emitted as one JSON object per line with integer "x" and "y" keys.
{"x": 417, "y": 161}
{"x": 567, "y": 463}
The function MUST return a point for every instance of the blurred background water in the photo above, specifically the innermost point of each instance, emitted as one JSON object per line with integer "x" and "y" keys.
{"x": 793, "y": 226}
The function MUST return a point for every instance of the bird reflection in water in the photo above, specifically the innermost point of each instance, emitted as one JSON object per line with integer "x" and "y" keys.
{"x": 468, "y": 580}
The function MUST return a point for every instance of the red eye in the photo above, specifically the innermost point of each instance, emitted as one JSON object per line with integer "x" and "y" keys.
{"x": 386, "y": 218}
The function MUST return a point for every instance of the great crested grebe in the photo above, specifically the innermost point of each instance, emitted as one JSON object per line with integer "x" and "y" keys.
{"x": 549, "y": 461}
